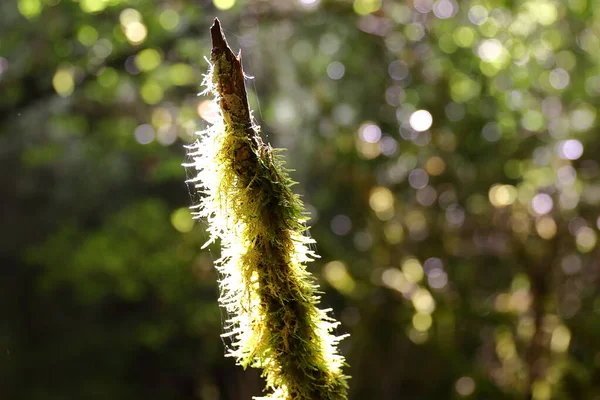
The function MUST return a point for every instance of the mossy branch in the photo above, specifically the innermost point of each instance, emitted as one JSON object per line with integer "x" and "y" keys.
{"x": 247, "y": 200}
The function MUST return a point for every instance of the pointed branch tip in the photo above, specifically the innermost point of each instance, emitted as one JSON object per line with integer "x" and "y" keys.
{"x": 219, "y": 43}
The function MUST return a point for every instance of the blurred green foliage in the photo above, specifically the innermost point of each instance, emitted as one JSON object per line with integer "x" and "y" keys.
{"x": 446, "y": 150}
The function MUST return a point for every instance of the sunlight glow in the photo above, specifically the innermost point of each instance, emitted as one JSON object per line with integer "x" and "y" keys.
{"x": 422, "y": 321}
{"x": 546, "y": 227}
{"x": 144, "y": 134}
{"x": 413, "y": 270}
{"x": 169, "y": 20}
{"x": 444, "y": 9}
{"x": 542, "y": 203}
{"x": 64, "y": 82}
{"x": 381, "y": 199}
{"x": 465, "y": 386}
{"x": 133, "y": 28}
{"x": 423, "y": 301}
{"x": 370, "y": 133}
{"x": 136, "y": 32}
{"x": 336, "y": 70}
{"x": 478, "y": 15}
{"x": 364, "y": 7}
{"x": 181, "y": 219}
{"x": 490, "y": 50}
{"x": 209, "y": 111}
{"x": 570, "y": 149}
{"x": 93, "y": 6}
{"x": 502, "y": 195}
{"x": 561, "y": 337}
{"x": 421, "y": 120}
{"x": 336, "y": 273}
{"x": 148, "y": 59}
{"x": 129, "y": 15}
{"x": 224, "y": 4}
{"x": 559, "y": 78}
{"x": 586, "y": 239}
{"x": 30, "y": 8}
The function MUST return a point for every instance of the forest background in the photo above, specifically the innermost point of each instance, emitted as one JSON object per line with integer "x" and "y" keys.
{"x": 445, "y": 151}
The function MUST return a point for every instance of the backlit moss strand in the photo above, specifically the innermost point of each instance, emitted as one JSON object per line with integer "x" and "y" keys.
{"x": 247, "y": 200}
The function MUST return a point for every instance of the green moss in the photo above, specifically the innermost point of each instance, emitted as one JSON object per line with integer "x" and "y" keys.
{"x": 271, "y": 299}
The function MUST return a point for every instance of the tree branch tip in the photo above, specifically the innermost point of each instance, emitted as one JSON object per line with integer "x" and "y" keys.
{"x": 218, "y": 38}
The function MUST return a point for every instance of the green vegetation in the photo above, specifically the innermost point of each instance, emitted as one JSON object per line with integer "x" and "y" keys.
{"x": 249, "y": 205}
{"x": 447, "y": 155}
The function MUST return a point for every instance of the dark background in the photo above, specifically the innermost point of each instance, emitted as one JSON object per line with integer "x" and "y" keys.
{"x": 461, "y": 257}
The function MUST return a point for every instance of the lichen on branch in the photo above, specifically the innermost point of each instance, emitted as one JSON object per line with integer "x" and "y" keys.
{"x": 246, "y": 198}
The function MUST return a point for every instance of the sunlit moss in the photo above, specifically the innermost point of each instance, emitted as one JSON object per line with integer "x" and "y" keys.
{"x": 249, "y": 206}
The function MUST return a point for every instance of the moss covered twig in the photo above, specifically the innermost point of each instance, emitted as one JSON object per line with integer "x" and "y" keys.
{"x": 247, "y": 200}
